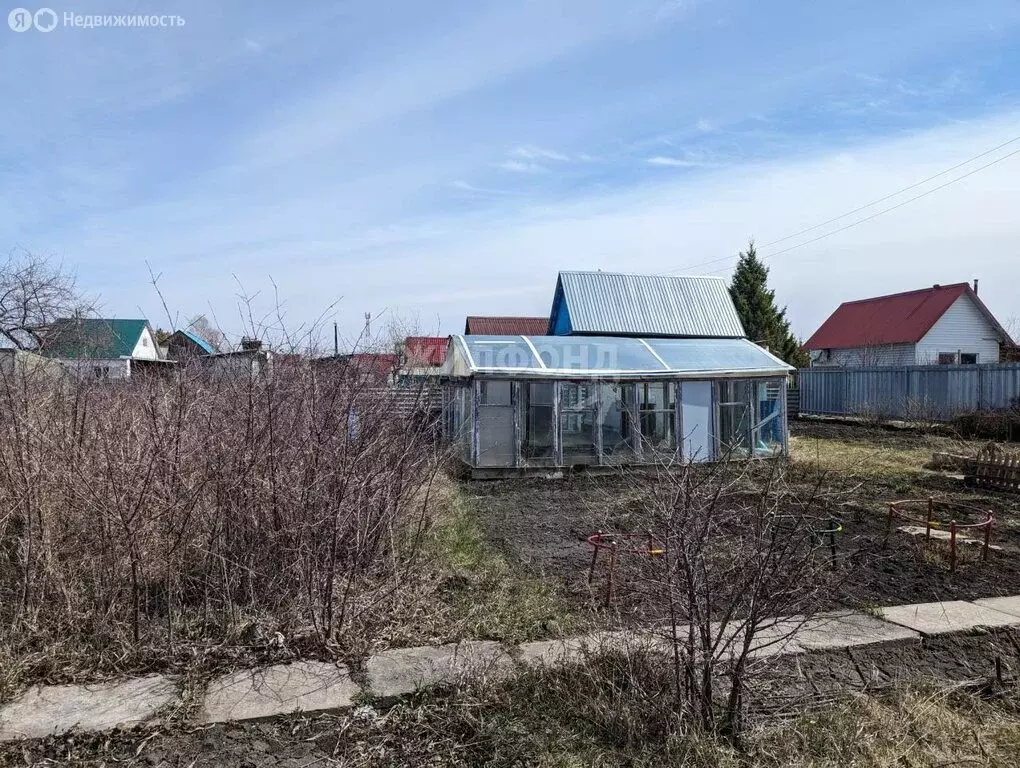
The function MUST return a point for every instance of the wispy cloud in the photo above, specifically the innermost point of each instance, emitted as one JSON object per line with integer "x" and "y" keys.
{"x": 673, "y": 162}
{"x": 522, "y": 166}
{"x": 537, "y": 153}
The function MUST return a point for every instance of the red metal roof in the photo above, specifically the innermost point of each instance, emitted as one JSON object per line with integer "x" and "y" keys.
{"x": 506, "y": 326}
{"x": 426, "y": 350}
{"x": 373, "y": 363}
{"x": 902, "y": 318}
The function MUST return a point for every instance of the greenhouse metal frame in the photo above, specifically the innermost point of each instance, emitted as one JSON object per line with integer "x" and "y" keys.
{"x": 516, "y": 403}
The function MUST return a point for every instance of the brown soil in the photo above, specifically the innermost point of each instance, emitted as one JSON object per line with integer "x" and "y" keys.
{"x": 543, "y": 524}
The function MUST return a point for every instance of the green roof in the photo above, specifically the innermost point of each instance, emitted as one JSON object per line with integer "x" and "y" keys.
{"x": 92, "y": 338}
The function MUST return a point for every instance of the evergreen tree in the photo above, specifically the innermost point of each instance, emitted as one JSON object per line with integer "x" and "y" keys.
{"x": 764, "y": 322}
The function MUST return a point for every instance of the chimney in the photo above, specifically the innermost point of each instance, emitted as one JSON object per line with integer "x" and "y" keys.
{"x": 975, "y": 285}
{"x": 248, "y": 344}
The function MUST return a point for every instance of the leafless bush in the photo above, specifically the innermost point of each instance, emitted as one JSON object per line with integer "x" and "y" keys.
{"x": 194, "y": 501}
{"x": 739, "y": 550}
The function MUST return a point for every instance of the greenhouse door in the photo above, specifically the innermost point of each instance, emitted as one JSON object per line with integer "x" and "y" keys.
{"x": 696, "y": 420}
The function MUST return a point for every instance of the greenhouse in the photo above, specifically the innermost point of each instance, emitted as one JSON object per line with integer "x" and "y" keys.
{"x": 522, "y": 402}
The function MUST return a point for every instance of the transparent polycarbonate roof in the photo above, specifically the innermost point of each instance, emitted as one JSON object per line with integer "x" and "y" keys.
{"x": 608, "y": 356}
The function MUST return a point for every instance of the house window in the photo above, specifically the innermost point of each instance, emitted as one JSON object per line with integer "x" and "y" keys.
{"x": 101, "y": 371}
{"x": 968, "y": 358}
{"x": 947, "y": 358}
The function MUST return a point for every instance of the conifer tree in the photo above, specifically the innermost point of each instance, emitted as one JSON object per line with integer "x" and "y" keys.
{"x": 764, "y": 322}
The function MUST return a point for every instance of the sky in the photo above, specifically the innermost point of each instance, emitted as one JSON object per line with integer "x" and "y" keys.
{"x": 299, "y": 164}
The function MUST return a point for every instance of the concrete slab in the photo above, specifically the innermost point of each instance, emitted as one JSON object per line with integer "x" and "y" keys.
{"x": 943, "y": 618}
{"x": 848, "y": 629}
{"x": 56, "y": 709}
{"x": 306, "y": 686}
{"x": 940, "y": 534}
{"x": 574, "y": 649}
{"x": 1010, "y": 605}
{"x": 405, "y": 670}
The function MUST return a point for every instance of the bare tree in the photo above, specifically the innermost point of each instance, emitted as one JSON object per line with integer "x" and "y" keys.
{"x": 34, "y": 292}
{"x": 201, "y": 327}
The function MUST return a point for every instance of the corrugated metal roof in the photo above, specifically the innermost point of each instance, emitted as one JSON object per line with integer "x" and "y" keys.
{"x": 204, "y": 345}
{"x": 900, "y": 318}
{"x": 426, "y": 350}
{"x": 91, "y": 337}
{"x": 649, "y": 305}
{"x": 506, "y": 326}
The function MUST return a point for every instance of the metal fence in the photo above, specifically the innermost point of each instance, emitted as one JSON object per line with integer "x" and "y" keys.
{"x": 936, "y": 392}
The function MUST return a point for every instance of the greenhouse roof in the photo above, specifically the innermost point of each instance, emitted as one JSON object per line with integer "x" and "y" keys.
{"x": 608, "y": 357}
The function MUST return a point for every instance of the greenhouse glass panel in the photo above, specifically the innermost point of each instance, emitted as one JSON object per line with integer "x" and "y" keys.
{"x": 734, "y": 432}
{"x": 768, "y": 423}
{"x": 576, "y": 353}
{"x": 714, "y": 355}
{"x": 537, "y": 442}
{"x": 617, "y": 420}
{"x": 578, "y": 402}
{"x": 501, "y": 352}
{"x": 657, "y": 409}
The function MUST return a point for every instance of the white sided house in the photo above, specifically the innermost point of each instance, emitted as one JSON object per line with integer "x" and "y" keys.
{"x": 941, "y": 325}
{"x": 101, "y": 348}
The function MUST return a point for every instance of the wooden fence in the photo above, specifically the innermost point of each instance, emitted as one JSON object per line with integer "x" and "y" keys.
{"x": 991, "y": 469}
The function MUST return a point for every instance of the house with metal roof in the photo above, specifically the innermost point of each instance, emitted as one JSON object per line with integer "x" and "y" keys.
{"x": 943, "y": 324}
{"x": 101, "y": 348}
{"x": 634, "y": 370}
{"x": 184, "y": 344}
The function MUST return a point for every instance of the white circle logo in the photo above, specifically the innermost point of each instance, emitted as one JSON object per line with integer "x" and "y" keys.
{"x": 45, "y": 19}
{"x": 20, "y": 19}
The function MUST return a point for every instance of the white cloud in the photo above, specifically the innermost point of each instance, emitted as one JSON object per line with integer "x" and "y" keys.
{"x": 522, "y": 166}
{"x": 672, "y": 162}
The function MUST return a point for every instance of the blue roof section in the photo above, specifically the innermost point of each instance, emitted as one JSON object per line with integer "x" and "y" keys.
{"x": 205, "y": 345}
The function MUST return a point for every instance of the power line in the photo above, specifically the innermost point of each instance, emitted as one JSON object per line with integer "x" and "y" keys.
{"x": 894, "y": 194}
{"x": 869, "y": 205}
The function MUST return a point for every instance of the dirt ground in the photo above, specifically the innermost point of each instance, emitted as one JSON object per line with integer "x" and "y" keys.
{"x": 543, "y": 524}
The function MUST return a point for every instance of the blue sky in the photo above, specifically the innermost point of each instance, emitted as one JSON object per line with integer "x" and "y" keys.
{"x": 424, "y": 161}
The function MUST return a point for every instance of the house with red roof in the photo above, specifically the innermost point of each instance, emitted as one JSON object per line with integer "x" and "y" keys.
{"x": 422, "y": 357}
{"x": 943, "y": 324}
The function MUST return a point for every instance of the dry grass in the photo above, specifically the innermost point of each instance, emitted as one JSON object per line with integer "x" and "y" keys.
{"x": 859, "y": 458}
{"x": 608, "y": 711}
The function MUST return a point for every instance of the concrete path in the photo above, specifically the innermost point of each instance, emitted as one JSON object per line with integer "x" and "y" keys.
{"x": 310, "y": 686}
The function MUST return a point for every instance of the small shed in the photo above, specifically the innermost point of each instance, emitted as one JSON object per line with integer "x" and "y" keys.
{"x": 514, "y": 403}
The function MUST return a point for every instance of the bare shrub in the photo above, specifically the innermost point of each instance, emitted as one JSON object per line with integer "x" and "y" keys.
{"x": 187, "y": 505}
{"x": 739, "y": 550}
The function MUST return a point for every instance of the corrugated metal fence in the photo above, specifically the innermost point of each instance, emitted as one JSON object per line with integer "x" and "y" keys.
{"x": 936, "y": 392}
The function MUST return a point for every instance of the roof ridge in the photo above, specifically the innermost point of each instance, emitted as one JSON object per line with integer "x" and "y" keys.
{"x": 930, "y": 289}
{"x": 639, "y": 274}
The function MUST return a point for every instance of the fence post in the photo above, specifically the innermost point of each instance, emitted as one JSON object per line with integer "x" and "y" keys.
{"x": 952, "y": 546}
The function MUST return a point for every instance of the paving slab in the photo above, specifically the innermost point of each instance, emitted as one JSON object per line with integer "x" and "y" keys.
{"x": 56, "y": 709}
{"x": 942, "y": 534}
{"x": 405, "y": 670}
{"x": 849, "y": 629}
{"x": 1010, "y": 605}
{"x": 306, "y": 686}
{"x": 573, "y": 649}
{"x": 943, "y": 618}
